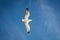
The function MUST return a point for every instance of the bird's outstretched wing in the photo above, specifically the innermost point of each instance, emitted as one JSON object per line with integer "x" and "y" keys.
{"x": 27, "y": 27}
{"x": 27, "y": 14}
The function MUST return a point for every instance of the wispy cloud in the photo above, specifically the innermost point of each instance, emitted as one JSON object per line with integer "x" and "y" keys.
{"x": 48, "y": 18}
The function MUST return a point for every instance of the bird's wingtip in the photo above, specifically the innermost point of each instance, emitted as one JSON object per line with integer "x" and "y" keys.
{"x": 26, "y": 8}
{"x": 28, "y": 32}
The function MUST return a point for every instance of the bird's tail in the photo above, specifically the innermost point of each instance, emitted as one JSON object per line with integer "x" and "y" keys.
{"x": 22, "y": 20}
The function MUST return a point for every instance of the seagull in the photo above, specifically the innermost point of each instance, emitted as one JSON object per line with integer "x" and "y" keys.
{"x": 26, "y": 20}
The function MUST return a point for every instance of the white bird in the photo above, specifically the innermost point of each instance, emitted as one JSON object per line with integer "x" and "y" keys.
{"x": 26, "y": 20}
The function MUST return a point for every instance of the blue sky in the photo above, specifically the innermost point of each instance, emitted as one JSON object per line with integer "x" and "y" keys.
{"x": 45, "y": 15}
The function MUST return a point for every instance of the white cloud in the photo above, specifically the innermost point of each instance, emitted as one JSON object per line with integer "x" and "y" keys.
{"x": 50, "y": 19}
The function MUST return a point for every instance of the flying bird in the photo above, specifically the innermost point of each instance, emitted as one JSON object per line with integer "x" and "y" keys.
{"x": 26, "y": 20}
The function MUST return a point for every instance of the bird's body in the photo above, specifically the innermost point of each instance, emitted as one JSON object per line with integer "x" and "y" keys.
{"x": 26, "y": 20}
